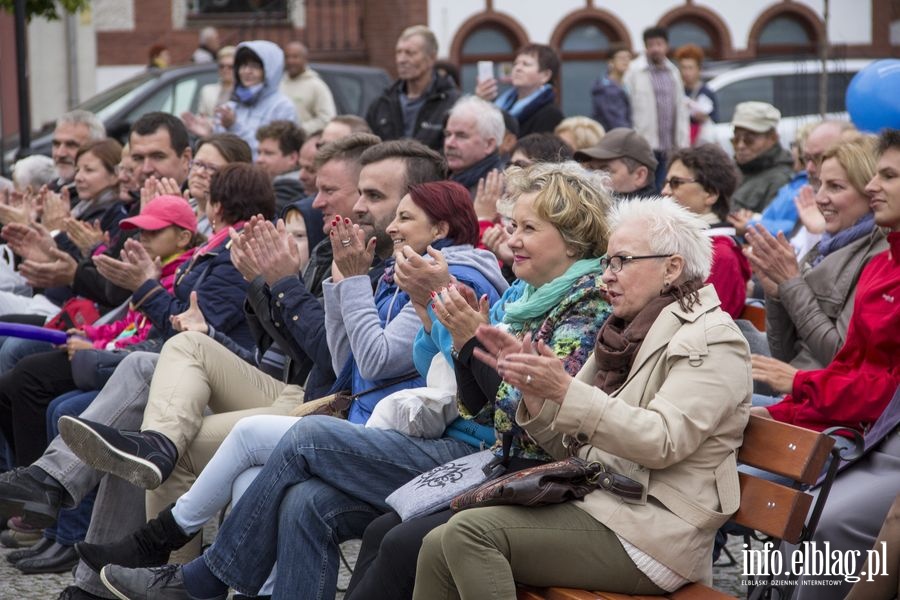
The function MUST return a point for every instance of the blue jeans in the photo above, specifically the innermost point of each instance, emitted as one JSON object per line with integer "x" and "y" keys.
{"x": 72, "y": 524}
{"x": 324, "y": 483}
{"x": 12, "y": 350}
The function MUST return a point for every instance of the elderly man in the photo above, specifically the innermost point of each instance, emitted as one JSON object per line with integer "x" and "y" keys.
{"x": 765, "y": 165}
{"x": 627, "y": 157}
{"x": 73, "y": 130}
{"x": 416, "y": 104}
{"x": 208, "y": 46}
{"x": 655, "y": 90}
{"x": 474, "y": 130}
{"x": 310, "y": 95}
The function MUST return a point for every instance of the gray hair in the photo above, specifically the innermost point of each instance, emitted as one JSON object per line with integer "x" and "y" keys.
{"x": 208, "y": 33}
{"x": 35, "y": 170}
{"x": 488, "y": 118}
{"x": 83, "y": 117}
{"x": 427, "y": 35}
{"x": 669, "y": 229}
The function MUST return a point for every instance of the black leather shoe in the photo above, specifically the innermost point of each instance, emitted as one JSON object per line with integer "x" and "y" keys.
{"x": 17, "y": 555}
{"x": 76, "y": 593}
{"x": 55, "y": 559}
{"x": 142, "y": 459}
{"x": 32, "y": 493}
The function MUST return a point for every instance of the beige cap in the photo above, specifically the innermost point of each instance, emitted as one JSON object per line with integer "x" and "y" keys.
{"x": 756, "y": 116}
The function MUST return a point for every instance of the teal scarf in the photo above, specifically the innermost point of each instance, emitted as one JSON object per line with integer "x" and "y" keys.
{"x": 537, "y": 302}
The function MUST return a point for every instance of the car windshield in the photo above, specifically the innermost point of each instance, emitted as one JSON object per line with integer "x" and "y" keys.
{"x": 107, "y": 103}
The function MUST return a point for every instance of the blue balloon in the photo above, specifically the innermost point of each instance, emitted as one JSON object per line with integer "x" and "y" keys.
{"x": 873, "y": 96}
{"x": 33, "y": 332}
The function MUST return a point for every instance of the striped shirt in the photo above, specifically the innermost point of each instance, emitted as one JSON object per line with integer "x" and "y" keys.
{"x": 666, "y": 96}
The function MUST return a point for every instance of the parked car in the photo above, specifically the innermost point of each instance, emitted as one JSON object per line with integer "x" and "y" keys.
{"x": 177, "y": 89}
{"x": 790, "y": 86}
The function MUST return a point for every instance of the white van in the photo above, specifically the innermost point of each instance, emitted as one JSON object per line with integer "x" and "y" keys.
{"x": 790, "y": 86}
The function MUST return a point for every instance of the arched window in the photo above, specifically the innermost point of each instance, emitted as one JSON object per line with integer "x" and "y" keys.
{"x": 786, "y": 34}
{"x": 691, "y": 31}
{"x": 488, "y": 42}
{"x": 584, "y": 50}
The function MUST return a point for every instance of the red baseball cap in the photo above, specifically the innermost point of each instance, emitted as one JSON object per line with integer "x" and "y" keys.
{"x": 161, "y": 212}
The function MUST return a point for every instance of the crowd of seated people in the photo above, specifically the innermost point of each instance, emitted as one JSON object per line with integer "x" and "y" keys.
{"x": 264, "y": 313}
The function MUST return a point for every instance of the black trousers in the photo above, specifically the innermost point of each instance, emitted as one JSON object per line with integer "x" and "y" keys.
{"x": 25, "y": 393}
{"x": 386, "y": 565}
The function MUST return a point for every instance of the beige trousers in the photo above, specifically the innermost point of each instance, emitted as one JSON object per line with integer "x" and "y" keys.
{"x": 195, "y": 372}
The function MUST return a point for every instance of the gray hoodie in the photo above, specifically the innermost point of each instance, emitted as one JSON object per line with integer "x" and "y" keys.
{"x": 269, "y": 104}
{"x": 352, "y": 321}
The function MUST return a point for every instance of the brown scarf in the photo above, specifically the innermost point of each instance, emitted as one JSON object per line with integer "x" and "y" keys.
{"x": 618, "y": 341}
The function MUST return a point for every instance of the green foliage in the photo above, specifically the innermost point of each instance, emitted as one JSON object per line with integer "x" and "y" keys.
{"x": 45, "y": 8}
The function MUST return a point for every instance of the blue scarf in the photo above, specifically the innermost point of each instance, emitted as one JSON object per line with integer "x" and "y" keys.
{"x": 833, "y": 242}
{"x": 535, "y": 302}
{"x": 247, "y": 95}
{"x": 523, "y": 108}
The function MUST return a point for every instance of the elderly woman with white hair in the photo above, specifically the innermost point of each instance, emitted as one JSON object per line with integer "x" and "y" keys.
{"x": 32, "y": 172}
{"x": 663, "y": 400}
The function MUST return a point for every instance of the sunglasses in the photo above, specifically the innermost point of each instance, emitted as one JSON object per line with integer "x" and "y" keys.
{"x": 676, "y": 182}
{"x": 748, "y": 138}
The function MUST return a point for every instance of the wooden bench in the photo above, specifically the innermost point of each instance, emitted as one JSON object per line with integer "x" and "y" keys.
{"x": 778, "y": 511}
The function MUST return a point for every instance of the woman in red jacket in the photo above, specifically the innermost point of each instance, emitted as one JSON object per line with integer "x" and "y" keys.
{"x": 854, "y": 389}
{"x": 702, "y": 180}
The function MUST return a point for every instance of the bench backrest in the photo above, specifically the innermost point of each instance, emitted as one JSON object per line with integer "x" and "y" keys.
{"x": 799, "y": 454}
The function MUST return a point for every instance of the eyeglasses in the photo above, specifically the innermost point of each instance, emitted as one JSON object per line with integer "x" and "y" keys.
{"x": 813, "y": 158}
{"x": 616, "y": 262}
{"x": 747, "y": 137}
{"x": 198, "y": 165}
{"x": 676, "y": 182}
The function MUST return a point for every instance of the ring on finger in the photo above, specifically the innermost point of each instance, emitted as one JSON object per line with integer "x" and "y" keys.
{"x": 528, "y": 379}
{"x": 345, "y": 243}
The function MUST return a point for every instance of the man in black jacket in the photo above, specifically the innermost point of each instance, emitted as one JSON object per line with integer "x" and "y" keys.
{"x": 416, "y": 104}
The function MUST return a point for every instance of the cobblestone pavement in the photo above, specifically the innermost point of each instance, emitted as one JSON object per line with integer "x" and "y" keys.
{"x": 15, "y": 586}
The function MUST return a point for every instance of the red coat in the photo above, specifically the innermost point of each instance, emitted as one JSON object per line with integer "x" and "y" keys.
{"x": 857, "y": 385}
{"x": 729, "y": 275}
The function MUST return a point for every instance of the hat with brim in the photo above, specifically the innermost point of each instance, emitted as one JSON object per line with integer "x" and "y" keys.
{"x": 758, "y": 117}
{"x": 619, "y": 143}
{"x": 162, "y": 212}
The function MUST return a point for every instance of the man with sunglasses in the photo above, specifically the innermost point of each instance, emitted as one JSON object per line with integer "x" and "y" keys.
{"x": 765, "y": 165}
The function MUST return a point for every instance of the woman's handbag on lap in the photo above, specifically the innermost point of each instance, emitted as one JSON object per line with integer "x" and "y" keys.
{"x": 552, "y": 483}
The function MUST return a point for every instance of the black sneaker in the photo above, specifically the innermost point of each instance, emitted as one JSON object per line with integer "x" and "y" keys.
{"x": 148, "y": 546}
{"x": 136, "y": 457}
{"x": 31, "y": 493}
{"x": 158, "y": 583}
